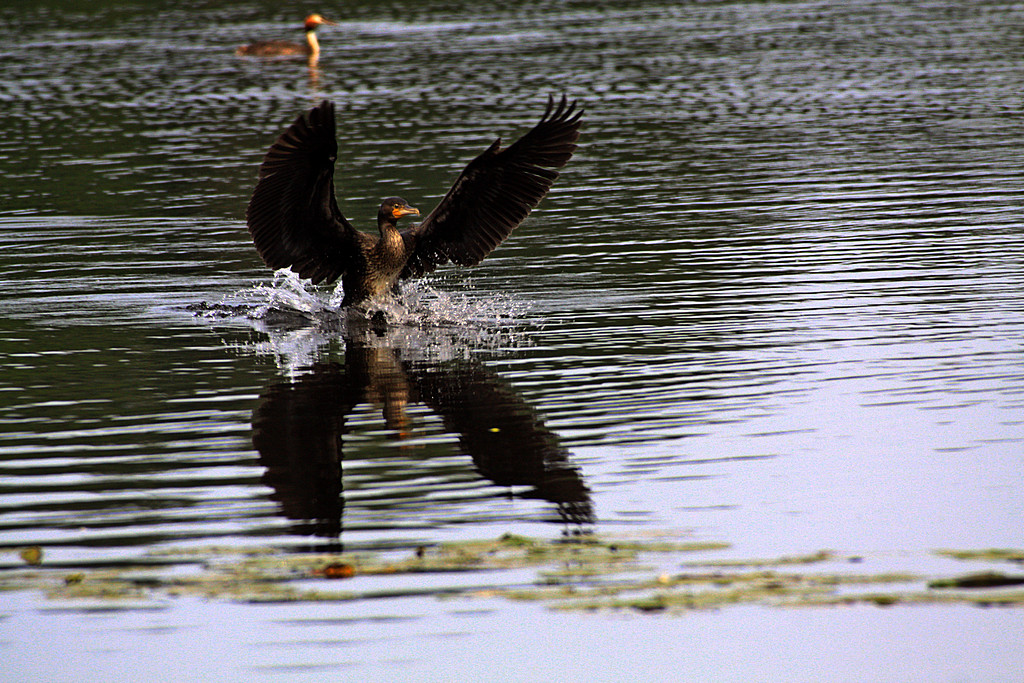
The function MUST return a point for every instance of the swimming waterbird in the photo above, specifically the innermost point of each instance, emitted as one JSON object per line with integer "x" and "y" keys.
{"x": 295, "y": 222}
{"x": 286, "y": 48}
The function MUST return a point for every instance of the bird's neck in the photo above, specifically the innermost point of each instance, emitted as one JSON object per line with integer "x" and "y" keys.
{"x": 314, "y": 44}
{"x": 389, "y": 253}
{"x": 388, "y": 231}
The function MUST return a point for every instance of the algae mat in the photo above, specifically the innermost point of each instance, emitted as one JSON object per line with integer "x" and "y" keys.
{"x": 646, "y": 575}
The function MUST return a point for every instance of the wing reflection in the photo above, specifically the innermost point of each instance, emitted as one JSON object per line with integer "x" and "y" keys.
{"x": 299, "y": 429}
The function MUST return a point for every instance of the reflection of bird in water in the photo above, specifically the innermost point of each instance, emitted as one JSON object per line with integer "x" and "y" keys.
{"x": 295, "y": 221}
{"x": 298, "y": 429}
{"x": 287, "y": 48}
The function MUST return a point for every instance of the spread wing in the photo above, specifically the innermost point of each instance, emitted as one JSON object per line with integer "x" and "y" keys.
{"x": 293, "y": 216}
{"x": 494, "y": 194}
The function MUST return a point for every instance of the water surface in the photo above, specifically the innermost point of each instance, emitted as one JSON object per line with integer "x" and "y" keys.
{"x": 775, "y": 301}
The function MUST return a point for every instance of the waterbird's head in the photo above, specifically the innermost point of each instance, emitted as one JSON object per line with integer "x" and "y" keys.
{"x": 314, "y": 20}
{"x": 393, "y": 208}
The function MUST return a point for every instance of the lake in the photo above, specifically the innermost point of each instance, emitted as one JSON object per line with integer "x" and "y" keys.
{"x": 772, "y": 309}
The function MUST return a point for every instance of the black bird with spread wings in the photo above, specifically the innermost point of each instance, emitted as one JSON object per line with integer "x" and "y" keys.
{"x": 295, "y": 221}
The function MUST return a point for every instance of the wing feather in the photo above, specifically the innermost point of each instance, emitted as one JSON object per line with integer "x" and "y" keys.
{"x": 293, "y": 215}
{"x": 494, "y": 194}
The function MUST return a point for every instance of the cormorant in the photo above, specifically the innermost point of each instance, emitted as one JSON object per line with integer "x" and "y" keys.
{"x": 285, "y": 48}
{"x": 295, "y": 221}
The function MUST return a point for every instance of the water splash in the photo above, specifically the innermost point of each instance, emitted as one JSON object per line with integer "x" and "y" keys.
{"x": 289, "y": 294}
{"x": 286, "y": 299}
{"x": 300, "y": 321}
{"x": 420, "y": 304}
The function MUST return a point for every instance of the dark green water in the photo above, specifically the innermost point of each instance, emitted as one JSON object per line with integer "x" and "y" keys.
{"x": 775, "y": 300}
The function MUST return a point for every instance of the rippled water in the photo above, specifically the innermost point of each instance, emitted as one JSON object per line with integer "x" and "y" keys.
{"x": 776, "y": 300}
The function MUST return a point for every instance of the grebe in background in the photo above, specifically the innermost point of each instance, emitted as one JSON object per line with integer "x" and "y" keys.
{"x": 285, "y": 48}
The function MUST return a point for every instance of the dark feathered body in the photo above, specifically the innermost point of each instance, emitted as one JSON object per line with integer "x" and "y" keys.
{"x": 275, "y": 48}
{"x": 295, "y": 221}
{"x": 376, "y": 269}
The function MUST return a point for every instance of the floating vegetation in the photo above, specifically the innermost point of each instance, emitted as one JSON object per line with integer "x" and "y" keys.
{"x": 812, "y": 558}
{"x": 978, "y": 580}
{"x": 33, "y": 555}
{"x": 987, "y": 555}
{"x": 583, "y": 573}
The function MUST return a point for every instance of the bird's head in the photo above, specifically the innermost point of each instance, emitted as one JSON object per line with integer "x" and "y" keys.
{"x": 393, "y": 208}
{"x": 314, "y": 20}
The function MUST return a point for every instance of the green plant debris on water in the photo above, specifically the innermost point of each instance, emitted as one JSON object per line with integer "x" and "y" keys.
{"x": 988, "y": 555}
{"x": 585, "y": 573}
{"x": 978, "y": 580}
{"x": 812, "y": 558}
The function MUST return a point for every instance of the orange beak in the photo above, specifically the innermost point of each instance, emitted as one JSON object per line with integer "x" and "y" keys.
{"x": 400, "y": 211}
